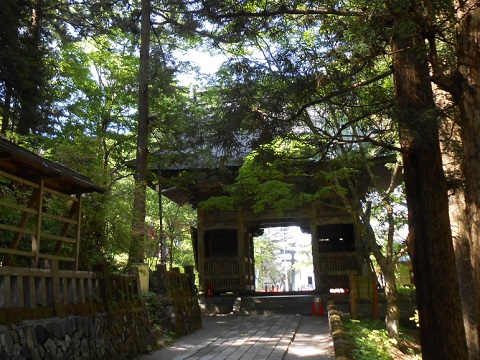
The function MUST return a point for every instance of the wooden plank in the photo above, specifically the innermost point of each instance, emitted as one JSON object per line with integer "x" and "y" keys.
{"x": 18, "y": 294}
{"x": 18, "y": 230}
{"x": 62, "y": 195}
{"x": 17, "y": 252}
{"x": 59, "y": 218}
{"x": 56, "y": 257}
{"x": 18, "y": 207}
{"x": 18, "y": 179}
{"x": 36, "y": 246}
{"x": 58, "y": 238}
{"x": 353, "y": 296}
{"x": 7, "y": 291}
{"x": 81, "y": 295}
{"x": 78, "y": 219}
{"x": 30, "y": 295}
{"x": 18, "y": 271}
{"x": 41, "y": 291}
{"x": 56, "y": 285}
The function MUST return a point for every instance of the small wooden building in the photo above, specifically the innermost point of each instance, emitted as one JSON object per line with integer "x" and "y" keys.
{"x": 32, "y": 189}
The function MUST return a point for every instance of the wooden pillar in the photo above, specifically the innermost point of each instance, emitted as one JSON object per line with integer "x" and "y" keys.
{"x": 374, "y": 296}
{"x": 162, "y": 278}
{"x": 78, "y": 218}
{"x": 191, "y": 277}
{"x": 315, "y": 255}
{"x": 353, "y": 295}
{"x": 201, "y": 251}
{"x": 241, "y": 250}
{"x": 38, "y": 225}
{"x": 56, "y": 285}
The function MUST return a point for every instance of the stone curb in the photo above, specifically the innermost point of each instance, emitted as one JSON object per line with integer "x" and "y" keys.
{"x": 341, "y": 344}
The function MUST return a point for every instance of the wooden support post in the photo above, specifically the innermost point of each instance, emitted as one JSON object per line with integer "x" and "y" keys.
{"x": 162, "y": 278}
{"x": 353, "y": 295}
{"x": 374, "y": 297}
{"x": 191, "y": 277}
{"x": 78, "y": 220}
{"x": 7, "y": 291}
{"x": 105, "y": 290}
{"x": 56, "y": 288}
{"x": 38, "y": 226}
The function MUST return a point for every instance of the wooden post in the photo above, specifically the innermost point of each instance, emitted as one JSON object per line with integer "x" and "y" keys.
{"x": 315, "y": 250}
{"x": 162, "y": 278}
{"x": 374, "y": 297}
{"x": 56, "y": 289}
{"x": 105, "y": 290}
{"x": 78, "y": 220}
{"x": 201, "y": 251}
{"x": 191, "y": 277}
{"x": 38, "y": 225}
{"x": 241, "y": 250}
{"x": 353, "y": 296}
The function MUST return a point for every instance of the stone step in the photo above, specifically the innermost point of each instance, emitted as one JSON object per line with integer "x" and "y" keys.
{"x": 268, "y": 305}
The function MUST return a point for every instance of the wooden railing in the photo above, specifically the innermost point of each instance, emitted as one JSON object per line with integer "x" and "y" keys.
{"x": 340, "y": 262}
{"x": 222, "y": 273}
{"x": 222, "y": 267}
{"x": 31, "y": 287}
{"x": 335, "y": 268}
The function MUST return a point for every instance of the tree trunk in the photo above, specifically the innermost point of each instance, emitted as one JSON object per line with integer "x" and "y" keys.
{"x": 461, "y": 242}
{"x": 392, "y": 319}
{"x": 6, "y": 109}
{"x": 137, "y": 253}
{"x": 430, "y": 238}
{"x": 468, "y": 57}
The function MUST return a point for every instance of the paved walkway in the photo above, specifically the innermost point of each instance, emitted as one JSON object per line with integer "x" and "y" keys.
{"x": 274, "y": 337}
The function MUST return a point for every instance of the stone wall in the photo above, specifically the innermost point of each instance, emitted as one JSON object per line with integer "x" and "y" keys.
{"x": 118, "y": 334}
{"x": 178, "y": 313}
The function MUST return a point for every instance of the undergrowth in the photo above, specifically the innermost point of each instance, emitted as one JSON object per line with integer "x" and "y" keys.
{"x": 370, "y": 341}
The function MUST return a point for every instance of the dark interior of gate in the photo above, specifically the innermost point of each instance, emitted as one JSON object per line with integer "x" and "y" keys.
{"x": 224, "y": 249}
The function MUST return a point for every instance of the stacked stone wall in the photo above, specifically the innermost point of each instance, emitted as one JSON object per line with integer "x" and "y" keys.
{"x": 118, "y": 334}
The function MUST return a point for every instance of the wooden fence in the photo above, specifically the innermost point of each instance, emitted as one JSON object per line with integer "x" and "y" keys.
{"x": 174, "y": 280}
{"x": 33, "y": 288}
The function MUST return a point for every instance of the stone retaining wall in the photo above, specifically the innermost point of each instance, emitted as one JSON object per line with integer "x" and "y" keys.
{"x": 122, "y": 331}
{"x": 341, "y": 343}
{"x": 118, "y": 334}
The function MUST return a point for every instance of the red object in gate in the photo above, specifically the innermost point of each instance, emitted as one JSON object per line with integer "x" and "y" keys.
{"x": 209, "y": 291}
{"x": 314, "y": 307}
{"x": 321, "y": 312}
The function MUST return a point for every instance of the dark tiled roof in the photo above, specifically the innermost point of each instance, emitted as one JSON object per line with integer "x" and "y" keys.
{"x": 25, "y": 164}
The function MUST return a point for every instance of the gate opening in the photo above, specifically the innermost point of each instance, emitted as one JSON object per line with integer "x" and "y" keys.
{"x": 283, "y": 260}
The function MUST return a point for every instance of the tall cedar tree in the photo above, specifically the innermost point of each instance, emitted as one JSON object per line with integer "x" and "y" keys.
{"x": 430, "y": 239}
{"x": 136, "y": 254}
{"x": 426, "y": 186}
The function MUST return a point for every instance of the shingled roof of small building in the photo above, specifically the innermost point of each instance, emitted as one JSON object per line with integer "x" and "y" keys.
{"x": 25, "y": 164}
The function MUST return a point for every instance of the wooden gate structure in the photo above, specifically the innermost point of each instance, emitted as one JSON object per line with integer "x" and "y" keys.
{"x": 223, "y": 240}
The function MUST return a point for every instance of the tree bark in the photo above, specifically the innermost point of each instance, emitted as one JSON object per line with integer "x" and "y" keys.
{"x": 430, "y": 238}
{"x": 468, "y": 57}
{"x": 137, "y": 252}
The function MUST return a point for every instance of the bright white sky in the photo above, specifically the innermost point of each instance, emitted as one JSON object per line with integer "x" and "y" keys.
{"x": 208, "y": 64}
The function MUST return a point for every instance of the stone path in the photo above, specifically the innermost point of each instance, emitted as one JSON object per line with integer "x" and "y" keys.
{"x": 273, "y": 337}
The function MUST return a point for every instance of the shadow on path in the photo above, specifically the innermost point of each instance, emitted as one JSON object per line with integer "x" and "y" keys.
{"x": 272, "y": 337}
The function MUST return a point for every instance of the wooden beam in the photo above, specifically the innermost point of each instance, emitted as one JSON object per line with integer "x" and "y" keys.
{"x": 38, "y": 225}
{"x": 32, "y": 203}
